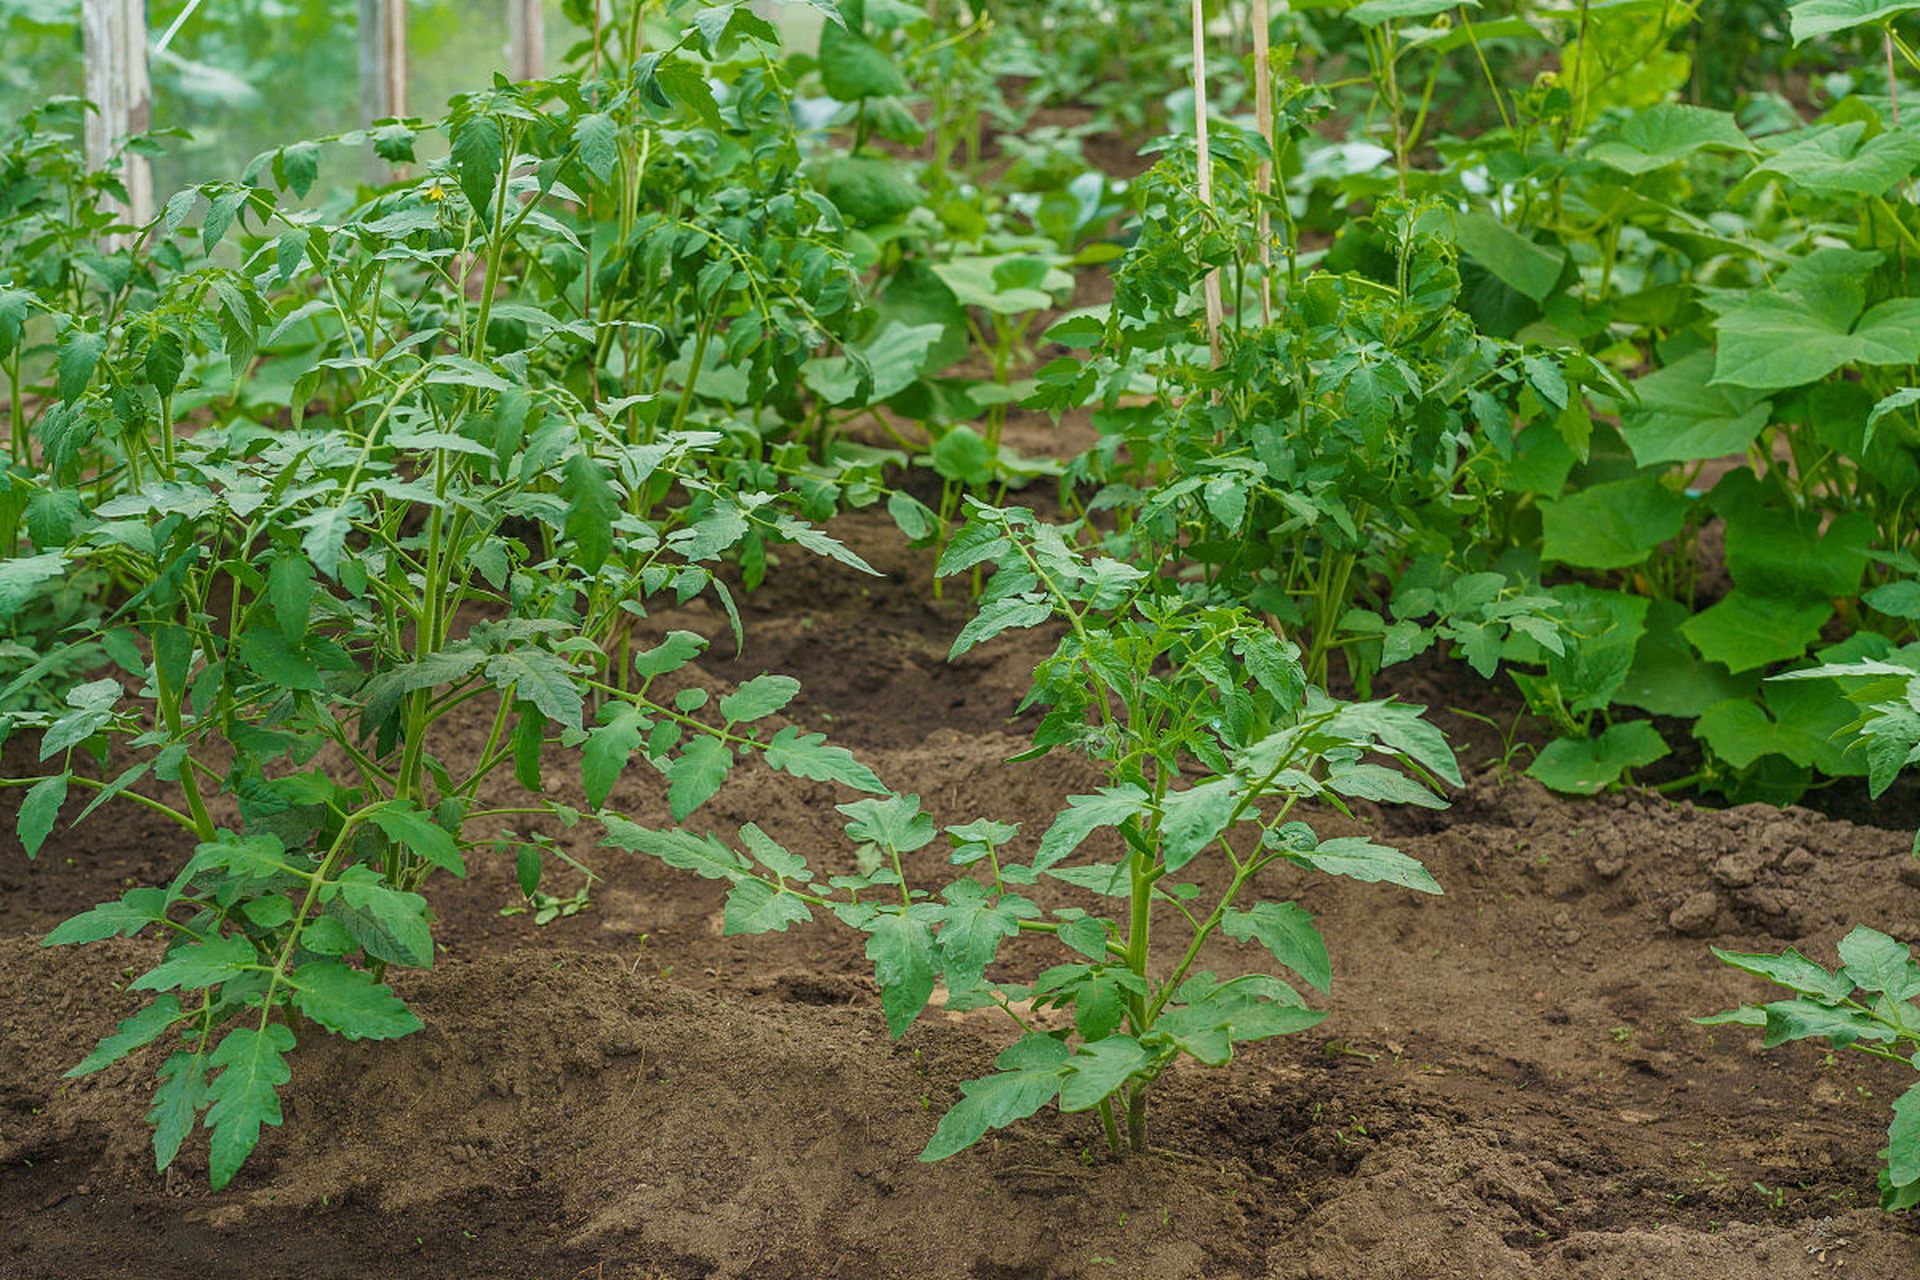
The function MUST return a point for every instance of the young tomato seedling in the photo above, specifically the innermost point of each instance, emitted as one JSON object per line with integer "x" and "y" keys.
{"x": 1208, "y": 738}
{"x": 1867, "y": 1004}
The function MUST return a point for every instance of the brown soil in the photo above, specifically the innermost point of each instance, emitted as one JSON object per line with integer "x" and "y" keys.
{"x": 1508, "y": 1085}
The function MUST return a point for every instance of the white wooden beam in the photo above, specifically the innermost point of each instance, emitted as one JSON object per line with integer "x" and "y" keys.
{"x": 114, "y": 37}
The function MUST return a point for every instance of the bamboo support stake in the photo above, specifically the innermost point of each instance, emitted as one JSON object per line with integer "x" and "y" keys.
{"x": 114, "y": 37}
{"x": 1216, "y": 314}
{"x": 1263, "y": 120}
{"x": 526, "y": 39}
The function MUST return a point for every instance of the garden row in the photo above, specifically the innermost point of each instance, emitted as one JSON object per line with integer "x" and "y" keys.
{"x": 1610, "y": 393}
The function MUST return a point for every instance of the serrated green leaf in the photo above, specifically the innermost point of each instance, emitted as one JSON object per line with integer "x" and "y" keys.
{"x": 1096, "y": 1070}
{"x": 403, "y": 916}
{"x": 1036, "y": 1075}
{"x": 39, "y": 810}
{"x": 599, "y": 141}
{"x": 754, "y": 906}
{"x": 591, "y": 509}
{"x": 807, "y": 755}
{"x": 75, "y": 360}
{"x": 476, "y": 148}
{"x": 1191, "y": 819}
{"x": 407, "y": 824}
{"x": 1108, "y": 807}
{"x": 1358, "y": 858}
{"x": 199, "y": 964}
{"x": 1903, "y": 1139}
{"x": 348, "y": 1002}
{"x": 696, "y": 774}
{"x": 176, "y": 1105}
{"x": 704, "y": 855}
{"x": 608, "y": 748}
{"x": 1876, "y": 962}
{"x": 758, "y": 698}
{"x": 245, "y": 1095}
{"x": 137, "y": 1032}
{"x": 903, "y": 955}
{"x": 542, "y": 678}
{"x": 135, "y": 910}
{"x": 1286, "y": 930}
{"x": 972, "y": 927}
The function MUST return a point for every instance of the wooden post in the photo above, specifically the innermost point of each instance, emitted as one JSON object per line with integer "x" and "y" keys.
{"x": 383, "y": 59}
{"x": 1263, "y": 120}
{"x": 1215, "y": 312}
{"x": 114, "y": 37}
{"x": 526, "y": 39}
{"x": 383, "y": 71}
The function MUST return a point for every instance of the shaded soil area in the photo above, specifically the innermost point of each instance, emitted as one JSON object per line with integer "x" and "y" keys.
{"x": 1508, "y": 1085}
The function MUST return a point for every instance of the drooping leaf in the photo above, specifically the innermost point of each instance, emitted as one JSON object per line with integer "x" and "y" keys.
{"x": 696, "y": 774}
{"x": 348, "y": 1002}
{"x": 1108, "y": 807}
{"x": 1099, "y": 1068}
{"x": 245, "y": 1094}
{"x": 137, "y": 1032}
{"x": 903, "y": 954}
{"x": 1358, "y": 858}
{"x": 39, "y": 810}
{"x": 754, "y": 906}
{"x": 407, "y": 824}
{"x": 177, "y": 1101}
{"x": 591, "y": 508}
{"x": 1033, "y": 1070}
{"x": 1192, "y": 818}
{"x": 608, "y": 748}
{"x": 1286, "y": 930}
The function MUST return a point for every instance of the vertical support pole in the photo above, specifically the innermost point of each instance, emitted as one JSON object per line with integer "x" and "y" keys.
{"x": 383, "y": 59}
{"x": 1263, "y": 120}
{"x": 526, "y": 39}
{"x": 1216, "y": 313}
{"x": 114, "y": 36}
{"x": 383, "y": 68}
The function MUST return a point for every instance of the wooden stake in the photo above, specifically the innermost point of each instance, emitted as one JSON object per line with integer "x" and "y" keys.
{"x": 114, "y": 36}
{"x": 1263, "y": 120}
{"x": 527, "y": 39}
{"x": 383, "y": 59}
{"x": 383, "y": 69}
{"x": 1215, "y": 312}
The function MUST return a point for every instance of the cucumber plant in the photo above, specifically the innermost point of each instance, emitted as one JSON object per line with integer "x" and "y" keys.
{"x": 1208, "y": 739}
